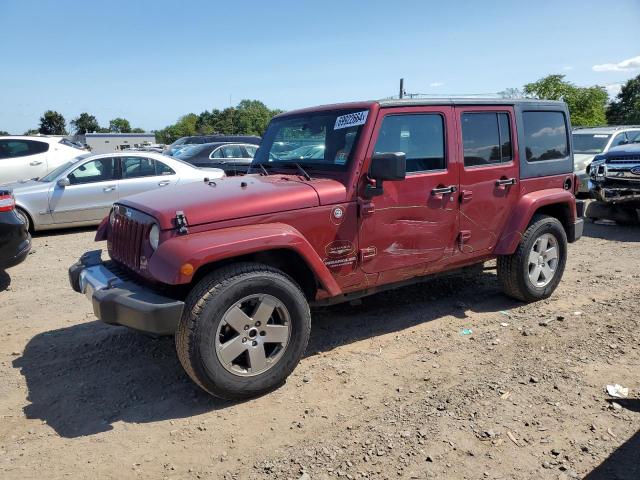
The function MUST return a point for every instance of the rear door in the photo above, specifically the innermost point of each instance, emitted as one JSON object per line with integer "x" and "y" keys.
{"x": 140, "y": 174}
{"x": 414, "y": 222}
{"x": 93, "y": 189}
{"x": 488, "y": 175}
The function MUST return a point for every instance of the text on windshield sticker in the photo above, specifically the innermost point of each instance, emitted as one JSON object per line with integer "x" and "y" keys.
{"x": 351, "y": 120}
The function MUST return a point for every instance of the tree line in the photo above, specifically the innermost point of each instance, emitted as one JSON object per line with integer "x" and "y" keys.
{"x": 588, "y": 106}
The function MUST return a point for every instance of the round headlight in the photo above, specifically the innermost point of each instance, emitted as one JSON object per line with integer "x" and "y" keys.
{"x": 112, "y": 216}
{"x": 154, "y": 236}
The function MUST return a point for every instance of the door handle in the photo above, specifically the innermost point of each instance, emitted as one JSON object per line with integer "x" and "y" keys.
{"x": 444, "y": 190}
{"x": 110, "y": 188}
{"x": 505, "y": 181}
{"x": 164, "y": 183}
{"x": 35, "y": 162}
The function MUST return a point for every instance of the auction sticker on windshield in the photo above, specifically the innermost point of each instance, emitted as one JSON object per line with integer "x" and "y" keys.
{"x": 351, "y": 120}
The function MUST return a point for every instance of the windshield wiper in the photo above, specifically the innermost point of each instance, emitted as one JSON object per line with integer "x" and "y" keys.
{"x": 302, "y": 171}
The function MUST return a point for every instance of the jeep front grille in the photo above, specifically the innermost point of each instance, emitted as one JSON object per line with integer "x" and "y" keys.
{"x": 125, "y": 239}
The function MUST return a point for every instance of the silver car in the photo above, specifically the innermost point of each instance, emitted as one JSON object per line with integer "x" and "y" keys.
{"x": 81, "y": 192}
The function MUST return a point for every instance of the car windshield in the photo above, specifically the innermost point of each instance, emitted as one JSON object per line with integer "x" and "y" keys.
{"x": 53, "y": 174}
{"x": 322, "y": 140}
{"x": 589, "y": 143}
{"x": 188, "y": 151}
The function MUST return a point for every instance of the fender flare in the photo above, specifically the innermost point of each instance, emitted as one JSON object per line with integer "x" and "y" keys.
{"x": 524, "y": 210}
{"x": 203, "y": 248}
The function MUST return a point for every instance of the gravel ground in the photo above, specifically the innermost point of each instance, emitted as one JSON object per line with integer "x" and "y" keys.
{"x": 388, "y": 389}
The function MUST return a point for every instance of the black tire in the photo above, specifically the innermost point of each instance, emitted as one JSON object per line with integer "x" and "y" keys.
{"x": 513, "y": 270}
{"x": 204, "y": 310}
{"x": 24, "y": 216}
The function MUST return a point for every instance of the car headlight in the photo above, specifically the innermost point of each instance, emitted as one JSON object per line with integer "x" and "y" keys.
{"x": 112, "y": 216}
{"x": 154, "y": 236}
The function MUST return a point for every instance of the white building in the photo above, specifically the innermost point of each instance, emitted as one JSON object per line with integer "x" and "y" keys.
{"x": 115, "y": 142}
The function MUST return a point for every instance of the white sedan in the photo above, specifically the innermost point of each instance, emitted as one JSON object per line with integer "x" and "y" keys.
{"x": 29, "y": 157}
{"x": 81, "y": 192}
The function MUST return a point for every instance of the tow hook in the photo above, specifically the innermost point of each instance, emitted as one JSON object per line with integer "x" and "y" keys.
{"x": 181, "y": 223}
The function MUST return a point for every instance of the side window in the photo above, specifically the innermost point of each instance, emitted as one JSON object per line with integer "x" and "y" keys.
{"x": 136, "y": 167}
{"x": 231, "y": 151}
{"x": 545, "y": 136}
{"x": 37, "y": 147}
{"x": 216, "y": 153}
{"x": 14, "y": 148}
{"x": 619, "y": 139}
{"x": 100, "y": 170}
{"x": 250, "y": 151}
{"x": 163, "y": 169}
{"x": 633, "y": 136}
{"x": 419, "y": 136}
{"x": 486, "y": 138}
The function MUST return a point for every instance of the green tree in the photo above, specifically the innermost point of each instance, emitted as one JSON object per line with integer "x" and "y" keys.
{"x": 84, "y": 123}
{"x": 52, "y": 123}
{"x": 31, "y": 131}
{"x": 138, "y": 130}
{"x": 586, "y": 104}
{"x": 253, "y": 117}
{"x": 625, "y": 109}
{"x": 119, "y": 125}
{"x": 4, "y": 132}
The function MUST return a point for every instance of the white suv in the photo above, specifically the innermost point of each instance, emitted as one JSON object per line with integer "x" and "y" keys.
{"x": 24, "y": 157}
{"x": 591, "y": 141}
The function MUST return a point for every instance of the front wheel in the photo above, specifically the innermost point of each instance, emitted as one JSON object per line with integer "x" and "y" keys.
{"x": 534, "y": 270}
{"x": 244, "y": 329}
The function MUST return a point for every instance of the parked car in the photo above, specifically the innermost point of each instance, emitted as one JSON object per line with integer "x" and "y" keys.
{"x": 24, "y": 157}
{"x": 233, "y": 158}
{"x": 81, "y": 192}
{"x": 15, "y": 241}
{"x": 200, "y": 139}
{"x": 404, "y": 189}
{"x": 591, "y": 141}
{"x": 615, "y": 184}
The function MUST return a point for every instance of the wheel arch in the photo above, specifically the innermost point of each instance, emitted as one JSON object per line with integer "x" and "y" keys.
{"x": 556, "y": 202}
{"x": 23, "y": 209}
{"x": 278, "y": 245}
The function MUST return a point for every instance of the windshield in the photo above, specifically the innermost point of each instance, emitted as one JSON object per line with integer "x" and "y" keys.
{"x": 324, "y": 140}
{"x": 589, "y": 143}
{"x": 51, "y": 176}
{"x": 188, "y": 152}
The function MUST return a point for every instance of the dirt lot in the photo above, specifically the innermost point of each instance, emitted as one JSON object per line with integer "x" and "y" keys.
{"x": 388, "y": 389}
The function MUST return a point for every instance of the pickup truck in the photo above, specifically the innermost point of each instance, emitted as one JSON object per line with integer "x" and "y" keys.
{"x": 392, "y": 192}
{"x": 615, "y": 184}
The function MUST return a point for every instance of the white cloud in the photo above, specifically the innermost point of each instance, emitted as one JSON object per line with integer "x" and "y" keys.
{"x": 566, "y": 68}
{"x": 629, "y": 64}
{"x": 613, "y": 89}
{"x": 548, "y": 131}
{"x": 436, "y": 84}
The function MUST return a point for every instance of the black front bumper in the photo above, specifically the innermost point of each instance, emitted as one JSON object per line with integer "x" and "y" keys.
{"x": 118, "y": 301}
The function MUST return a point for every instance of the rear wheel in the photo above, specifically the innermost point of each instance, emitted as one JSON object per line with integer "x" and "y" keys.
{"x": 534, "y": 270}
{"x": 244, "y": 329}
{"x": 22, "y": 215}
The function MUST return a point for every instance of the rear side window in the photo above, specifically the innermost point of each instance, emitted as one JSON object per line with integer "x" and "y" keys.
{"x": 545, "y": 136}
{"x": 231, "y": 151}
{"x": 420, "y": 137}
{"x": 163, "y": 169}
{"x": 21, "y": 148}
{"x": 486, "y": 138}
{"x": 135, "y": 167}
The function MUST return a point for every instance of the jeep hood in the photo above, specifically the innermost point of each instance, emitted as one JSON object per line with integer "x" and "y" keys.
{"x": 235, "y": 197}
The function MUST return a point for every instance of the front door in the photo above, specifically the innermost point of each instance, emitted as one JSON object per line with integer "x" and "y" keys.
{"x": 414, "y": 222}
{"x": 93, "y": 189}
{"x": 488, "y": 175}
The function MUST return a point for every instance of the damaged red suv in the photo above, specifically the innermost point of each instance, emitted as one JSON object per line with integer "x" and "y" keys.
{"x": 342, "y": 201}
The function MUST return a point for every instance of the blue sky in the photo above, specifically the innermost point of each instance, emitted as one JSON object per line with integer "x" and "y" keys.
{"x": 152, "y": 61}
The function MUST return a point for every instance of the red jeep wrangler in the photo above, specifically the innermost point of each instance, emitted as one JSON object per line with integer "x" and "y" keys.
{"x": 342, "y": 201}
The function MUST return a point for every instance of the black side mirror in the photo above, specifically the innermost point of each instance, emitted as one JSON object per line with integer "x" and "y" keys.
{"x": 386, "y": 166}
